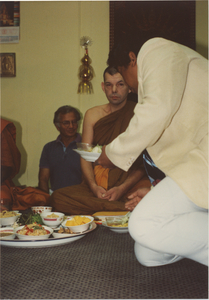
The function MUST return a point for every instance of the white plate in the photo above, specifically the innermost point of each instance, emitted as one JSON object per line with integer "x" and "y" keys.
{"x": 116, "y": 229}
{"x": 47, "y": 242}
{"x": 88, "y": 156}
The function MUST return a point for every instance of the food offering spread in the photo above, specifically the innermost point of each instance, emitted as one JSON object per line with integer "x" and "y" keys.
{"x": 30, "y": 230}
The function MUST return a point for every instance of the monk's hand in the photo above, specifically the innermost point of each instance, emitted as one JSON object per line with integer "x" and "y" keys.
{"x": 113, "y": 194}
{"x": 99, "y": 191}
{"x": 136, "y": 197}
{"x": 104, "y": 161}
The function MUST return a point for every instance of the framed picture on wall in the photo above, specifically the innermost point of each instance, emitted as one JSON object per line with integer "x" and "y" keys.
{"x": 7, "y": 65}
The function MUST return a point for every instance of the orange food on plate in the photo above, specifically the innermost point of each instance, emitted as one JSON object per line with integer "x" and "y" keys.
{"x": 77, "y": 220}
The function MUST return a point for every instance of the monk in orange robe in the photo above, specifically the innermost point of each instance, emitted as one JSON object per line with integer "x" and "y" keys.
{"x": 104, "y": 189}
{"x": 10, "y": 160}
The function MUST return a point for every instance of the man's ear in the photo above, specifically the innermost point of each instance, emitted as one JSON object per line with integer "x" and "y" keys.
{"x": 102, "y": 85}
{"x": 57, "y": 127}
{"x": 132, "y": 57}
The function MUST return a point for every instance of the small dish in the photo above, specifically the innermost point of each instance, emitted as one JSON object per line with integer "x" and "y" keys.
{"x": 116, "y": 224}
{"x": 10, "y": 234}
{"x": 88, "y": 152}
{"x": 40, "y": 209}
{"x": 52, "y": 219}
{"x": 10, "y": 220}
{"x": 78, "y": 228}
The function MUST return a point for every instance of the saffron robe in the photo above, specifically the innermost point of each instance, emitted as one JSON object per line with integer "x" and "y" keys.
{"x": 79, "y": 199}
{"x": 15, "y": 198}
{"x": 10, "y": 157}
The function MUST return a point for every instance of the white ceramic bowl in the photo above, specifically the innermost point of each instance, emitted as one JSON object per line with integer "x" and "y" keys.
{"x": 40, "y": 209}
{"x": 52, "y": 222}
{"x": 33, "y": 237}
{"x": 10, "y": 231}
{"x": 78, "y": 228}
{"x": 113, "y": 222}
{"x": 83, "y": 149}
{"x": 10, "y": 220}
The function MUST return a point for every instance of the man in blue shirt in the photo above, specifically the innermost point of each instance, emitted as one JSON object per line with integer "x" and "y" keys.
{"x": 59, "y": 164}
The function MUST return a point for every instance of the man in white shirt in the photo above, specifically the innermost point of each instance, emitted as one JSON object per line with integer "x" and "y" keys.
{"x": 171, "y": 123}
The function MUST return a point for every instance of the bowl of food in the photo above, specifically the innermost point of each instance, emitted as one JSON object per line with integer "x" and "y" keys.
{"x": 8, "y": 218}
{"x": 33, "y": 232}
{"x": 116, "y": 224}
{"x": 78, "y": 223}
{"x": 52, "y": 219}
{"x": 7, "y": 234}
{"x": 88, "y": 152}
{"x": 40, "y": 209}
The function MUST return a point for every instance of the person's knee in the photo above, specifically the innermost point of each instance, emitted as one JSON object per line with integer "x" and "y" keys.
{"x": 151, "y": 258}
{"x": 139, "y": 227}
{"x": 145, "y": 256}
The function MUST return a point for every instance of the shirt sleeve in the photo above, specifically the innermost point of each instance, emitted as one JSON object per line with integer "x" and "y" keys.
{"x": 162, "y": 75}
{"x": 44, "y": 161}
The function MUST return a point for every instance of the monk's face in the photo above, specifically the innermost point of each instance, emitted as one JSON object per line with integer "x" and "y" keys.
{"x": 68, "y": 125}
{"x": 115, "y": 88}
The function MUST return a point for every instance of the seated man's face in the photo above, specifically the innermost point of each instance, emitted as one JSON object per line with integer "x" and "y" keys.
{"x": 115, "y": 88}
{"x": 68, "y": 125}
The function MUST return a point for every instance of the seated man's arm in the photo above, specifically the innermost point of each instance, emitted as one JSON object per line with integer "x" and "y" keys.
{"x": 90, "y": 119}
{"x": 43, "y": 177}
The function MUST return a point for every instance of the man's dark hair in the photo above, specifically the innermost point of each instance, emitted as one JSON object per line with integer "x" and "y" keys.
{"x": 119, "y": 55}
{"x": 110, "y": 70}
{"x": 65, "y": 110}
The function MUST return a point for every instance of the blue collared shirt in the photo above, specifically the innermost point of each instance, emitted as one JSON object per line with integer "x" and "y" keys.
{"x": 63, "y": 163}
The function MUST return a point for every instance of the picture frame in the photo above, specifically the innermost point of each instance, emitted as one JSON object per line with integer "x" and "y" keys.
{"x": 7, "y": 65}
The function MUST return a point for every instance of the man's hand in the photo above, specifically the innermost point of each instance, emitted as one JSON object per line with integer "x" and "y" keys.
{"x": 113, "y": 194}
{"x": 135, "y": 198}
{"x": 98, "y": 191}
{"x": 104, "y": 161}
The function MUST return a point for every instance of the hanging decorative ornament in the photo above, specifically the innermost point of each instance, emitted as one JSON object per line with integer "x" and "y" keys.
{"x": 86, "y": 72}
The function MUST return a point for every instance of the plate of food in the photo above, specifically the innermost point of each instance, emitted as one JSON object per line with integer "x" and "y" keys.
{"x": 88, "y": 152}
{"x": 100, "y": 217}
{"x": 117, "y": 224}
